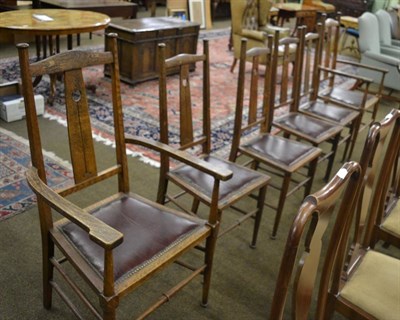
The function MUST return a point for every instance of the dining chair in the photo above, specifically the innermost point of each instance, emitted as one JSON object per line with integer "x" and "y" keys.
{"x": 384, "y": 217}
{"x": 190, "y": 113}
{"x": 287, "y": 116}
{"x": 118, "y": 242}
{"x": 350, "y": 94}
{"x": 303, "y": 249}
{"x": 309, "y": 102}
{"x": 366, "y": 289}
{"x": 252, "y": 136}
{"x": 362, "y": 283}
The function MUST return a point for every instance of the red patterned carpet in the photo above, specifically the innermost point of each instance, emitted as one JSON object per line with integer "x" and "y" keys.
{"x": 15, "y": 194}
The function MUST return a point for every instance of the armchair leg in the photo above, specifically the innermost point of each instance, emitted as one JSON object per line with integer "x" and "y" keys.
{"x": 48, "y": 271}
{"x": 282, "y": 198}
{"x": 311, "y": 173}
{"x": 260, "y": 208}
{"x": 209, "y": 257}
{"x": 332, "y": 157}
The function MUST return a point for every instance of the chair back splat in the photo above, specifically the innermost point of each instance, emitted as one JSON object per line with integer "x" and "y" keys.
{"x": 120, "y": 240}
{"x": 197, "y": 114}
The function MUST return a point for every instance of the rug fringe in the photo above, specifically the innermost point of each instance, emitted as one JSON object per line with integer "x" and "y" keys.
{"x": 49, "y": 154}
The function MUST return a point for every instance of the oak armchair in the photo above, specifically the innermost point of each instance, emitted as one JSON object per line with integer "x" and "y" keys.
{"x": 117, "y": 243}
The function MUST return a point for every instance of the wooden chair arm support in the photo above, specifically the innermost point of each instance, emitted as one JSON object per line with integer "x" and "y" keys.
{"x": 254, "y": 34}
{"x": 183, "y": 156}
{"x": 101, "y": 233}
{"x": 348, "y": 75}
{"x": 361, "y": 65}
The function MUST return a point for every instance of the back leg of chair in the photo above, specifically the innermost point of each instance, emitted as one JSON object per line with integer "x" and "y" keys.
{"x": 281, "y": 202}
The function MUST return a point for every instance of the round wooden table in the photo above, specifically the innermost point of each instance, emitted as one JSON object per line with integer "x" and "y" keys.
{"x": 49, "y": 23}
{"x": 45, "y": 24}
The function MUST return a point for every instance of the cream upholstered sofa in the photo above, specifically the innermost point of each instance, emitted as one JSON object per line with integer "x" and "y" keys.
{"x": 372, "y": 53}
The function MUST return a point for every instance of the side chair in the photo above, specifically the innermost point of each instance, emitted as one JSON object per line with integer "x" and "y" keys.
{"x": 367, "y": 285}
{"x": 244, "y": 184}
{"x": 286, "y": 115}
{"x": 384, "y": 217}
{"x": 252, "y": 135}
{"x": 119, "y": 242}
{"x": 303, "y": 249}
{"x": 367, "y": 289}
{"x": 309, "y": 102}
{"x": 349, "y": 95}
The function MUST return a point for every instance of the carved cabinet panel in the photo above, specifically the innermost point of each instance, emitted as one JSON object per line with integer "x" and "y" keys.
{"x": 354, "y": 8}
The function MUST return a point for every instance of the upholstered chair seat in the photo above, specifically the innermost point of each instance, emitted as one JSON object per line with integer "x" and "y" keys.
{"x": 371, "y": 293}
{"x": 141, "y": 224}
{"x": 334, "y": 113}
{"x": 351, "y": 98}
{"x": 284, "y": 153}
{"x": 229, "y": 190}
{"x": 392, "y": 222}
{"x": 313, "y": 129}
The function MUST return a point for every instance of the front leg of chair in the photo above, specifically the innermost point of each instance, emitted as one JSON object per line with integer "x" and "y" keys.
{"x": 260, "y": 209}
{"x": 311, "y": 174}
{"x": 209, "y": 257}
{"x": 335, "y": 144}
{"x": 162, "y": 188}
{"x": 48, "y": 271}
{"x": 195, "y": 205}
{"x": 281, "y": 203}
{"x": 353, "y": 138}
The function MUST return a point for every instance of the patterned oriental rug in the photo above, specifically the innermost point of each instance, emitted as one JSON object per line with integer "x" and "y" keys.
{"x": 141, "y": 116}
{"x": 140, "y": 102}
{"x": 15, "y": 194}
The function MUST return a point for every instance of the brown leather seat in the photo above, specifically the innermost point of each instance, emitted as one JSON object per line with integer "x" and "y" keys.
{"x": 203, "y": 183}
{"x": 143, "y": 227}
{"x": 288, "y": 153}
{"x": 329, "y": 111}
{"x": 313, "y": 128}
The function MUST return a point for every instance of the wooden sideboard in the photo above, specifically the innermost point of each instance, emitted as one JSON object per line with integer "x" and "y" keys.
{"x": 138, "y": 41}
{"x": 353, "y": 8}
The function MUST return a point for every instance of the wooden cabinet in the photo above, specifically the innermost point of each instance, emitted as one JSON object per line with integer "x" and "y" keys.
{"x": 354, "y": 8}
{"x": 138, "y": 40}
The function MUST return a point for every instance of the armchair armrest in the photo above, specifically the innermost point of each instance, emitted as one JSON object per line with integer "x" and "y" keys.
{"x": 270, "y": 29}
{"x": 348, "y": 75}
{"x": 99, "y": 232}
{"x": 254, "y": 34}
{"x": 183, "y": 156}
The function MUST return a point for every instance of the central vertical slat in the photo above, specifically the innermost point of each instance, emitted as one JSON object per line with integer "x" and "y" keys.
{"x": 186, "y": 121}
{"x": 79, "y": 129}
